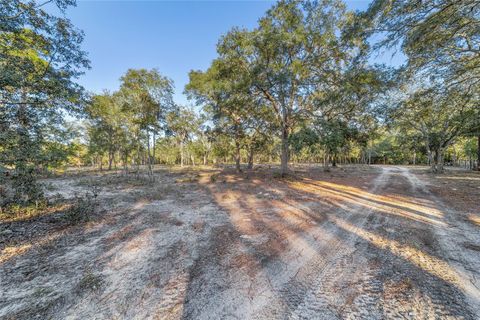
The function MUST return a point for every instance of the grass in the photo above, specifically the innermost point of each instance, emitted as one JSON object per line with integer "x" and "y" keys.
{"x": 190, "y": 178}
{"x": 74, "y": 211}
{"x": 18, "y": 212}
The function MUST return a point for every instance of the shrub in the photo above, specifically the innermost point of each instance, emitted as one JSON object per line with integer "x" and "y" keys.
{"x": 82, "y": 208}
{"x": 213, "y": 178}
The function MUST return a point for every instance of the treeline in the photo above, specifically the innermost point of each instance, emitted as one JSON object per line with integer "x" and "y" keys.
{"x": 299, "y": 87}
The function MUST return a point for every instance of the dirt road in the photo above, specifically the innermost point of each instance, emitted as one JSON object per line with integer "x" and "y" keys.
{"x": 373, "y": 244}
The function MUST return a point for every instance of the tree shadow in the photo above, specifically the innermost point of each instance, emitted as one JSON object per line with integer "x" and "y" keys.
{"x": 288, "y": 222}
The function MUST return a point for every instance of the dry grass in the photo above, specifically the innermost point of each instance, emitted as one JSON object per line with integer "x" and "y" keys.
{"x": 17, "y": 212}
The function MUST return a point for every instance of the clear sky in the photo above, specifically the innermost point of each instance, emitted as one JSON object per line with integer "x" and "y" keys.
{"x": 173, "y": 36}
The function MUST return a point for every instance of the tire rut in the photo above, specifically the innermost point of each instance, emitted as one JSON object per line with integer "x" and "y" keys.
{"x": 306, "y": 295}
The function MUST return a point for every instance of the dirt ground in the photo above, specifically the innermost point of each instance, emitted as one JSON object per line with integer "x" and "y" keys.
{"x": 379, "y": 242}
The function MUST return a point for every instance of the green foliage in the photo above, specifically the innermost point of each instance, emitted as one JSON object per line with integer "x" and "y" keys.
{"x": 123, "y": 125}
{"x": 439, "y": 93}
{"x": 183, "y": 124}
{"x": 299, "y": 85}
{"x": 304, "y": 138}
{"x": 81, "y": 209}
{"x": 40, "y": 59}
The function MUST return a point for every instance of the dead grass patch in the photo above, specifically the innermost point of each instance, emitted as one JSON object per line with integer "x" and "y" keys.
{"x": 12, "y": 251}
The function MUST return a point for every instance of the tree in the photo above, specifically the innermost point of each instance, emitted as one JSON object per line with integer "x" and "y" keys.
{"x": 182, "y": 124}
{"x": 335, "y": 135}
{"x": 453, "y": 116}
{"x": 147, "y": 98}
{"x": 440, "y": 39}
{"x": 296, "y": 52}
{"x": 106, "y": 131}
{"x": 40, "y": 59}
{"x": 288, "y": 60}
{"x": 226, "y": 96}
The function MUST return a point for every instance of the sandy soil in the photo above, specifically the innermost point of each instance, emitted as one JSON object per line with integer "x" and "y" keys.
{"x": 355, "y": 243}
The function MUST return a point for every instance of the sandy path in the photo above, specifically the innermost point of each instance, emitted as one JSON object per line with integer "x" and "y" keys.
{"x": 378, "y": 256}
{"x": 453, "y": 237}
{"x": 302, "y": 249}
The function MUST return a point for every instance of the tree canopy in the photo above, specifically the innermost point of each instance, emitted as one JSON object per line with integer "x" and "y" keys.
{"x": 302, "y": 85}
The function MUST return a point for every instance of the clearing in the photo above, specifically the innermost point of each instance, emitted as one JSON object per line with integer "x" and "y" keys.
{"x": 379, "y": 242}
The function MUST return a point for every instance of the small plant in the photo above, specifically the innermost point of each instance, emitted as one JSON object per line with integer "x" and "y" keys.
{"x": 90, "y": 282}
{"x": 213, "y": 178}
{"x": 81, "y": 209}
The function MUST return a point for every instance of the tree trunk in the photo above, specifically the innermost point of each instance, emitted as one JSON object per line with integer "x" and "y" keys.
{"x": 431, "y": 161}
{"x": 182, "y": 155}
{"x": 110, "y": 160}
{"x": 436, "y": 160}
{"x": 205, "y": 159}
{"x": 284, "y": 155}
{"x": 125, "y": 162}
{"x": 138, "y": 156}
{"x": 440, "y": 160}
{"x": 153, "y": 148}
{"x": 237, "y": 156}
{"x": 478, "y": 153}
{"x": 149, "y": 157}
{"x": 250, "y": 159}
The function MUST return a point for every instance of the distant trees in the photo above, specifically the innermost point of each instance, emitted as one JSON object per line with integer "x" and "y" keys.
{"x": 127, "y": 122}
{"x": 183, "y": 124}
{"x": 439, "y": 119}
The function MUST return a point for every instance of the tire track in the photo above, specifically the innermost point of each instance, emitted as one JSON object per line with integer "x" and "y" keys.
{"x": 308, "y": 293}
{"x": 361, "y": 274}
{"x": 451, "y": 240}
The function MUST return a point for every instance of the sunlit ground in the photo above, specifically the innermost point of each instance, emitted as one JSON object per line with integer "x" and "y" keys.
{"x": 269, "y": 222}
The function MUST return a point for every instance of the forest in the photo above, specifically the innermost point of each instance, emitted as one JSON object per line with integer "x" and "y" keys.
{"x": 304, "y": 88}
{"x": 300, "y": 87}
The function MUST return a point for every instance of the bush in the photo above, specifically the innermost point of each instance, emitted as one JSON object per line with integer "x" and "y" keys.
{"x": 213, "y": 178}
{"x": 82, "y": 208}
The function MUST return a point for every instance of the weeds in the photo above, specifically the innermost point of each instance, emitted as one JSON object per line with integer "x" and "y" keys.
{"x": 17, "y": 211}
{"x": 188, "y": 179}
{"x": 90, "y": 282}
{"x": 213, "y": 178}
{"x": 115, "y": 180}
{"x": 81, "y": 209}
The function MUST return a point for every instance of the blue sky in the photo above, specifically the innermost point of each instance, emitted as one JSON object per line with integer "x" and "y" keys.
{"x": 173, "y": 36}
